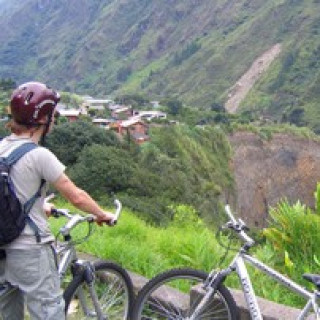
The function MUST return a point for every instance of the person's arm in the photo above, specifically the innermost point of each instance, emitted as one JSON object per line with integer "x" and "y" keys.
{"x": 81, "y": 199}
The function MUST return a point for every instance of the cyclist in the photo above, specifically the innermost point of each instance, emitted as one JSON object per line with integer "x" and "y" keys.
{"x": 30, "y": 265}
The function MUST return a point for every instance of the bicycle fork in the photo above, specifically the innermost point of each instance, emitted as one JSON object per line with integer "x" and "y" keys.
{"x": 210, "y": 286}
{"x": 89, "y": 279}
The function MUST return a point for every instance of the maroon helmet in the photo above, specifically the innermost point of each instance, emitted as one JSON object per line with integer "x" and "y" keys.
{"x": 31, "y": 101}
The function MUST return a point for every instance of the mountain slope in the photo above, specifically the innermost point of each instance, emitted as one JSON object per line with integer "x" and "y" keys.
{"x": 193, "y": 50}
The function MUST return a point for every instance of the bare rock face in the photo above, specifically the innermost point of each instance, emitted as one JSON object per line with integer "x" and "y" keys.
{"x": 286, "y": 167}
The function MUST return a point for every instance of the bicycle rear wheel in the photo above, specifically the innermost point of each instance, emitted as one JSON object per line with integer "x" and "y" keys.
{"x": 114, "y": 290}
{"x": 176, "y": 293}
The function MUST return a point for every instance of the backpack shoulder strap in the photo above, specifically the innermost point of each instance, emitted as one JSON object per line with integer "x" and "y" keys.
{"x": 13, "y": 157}
{"x": 19, "y": 152}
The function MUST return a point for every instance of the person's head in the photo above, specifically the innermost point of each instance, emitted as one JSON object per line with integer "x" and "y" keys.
{"x": 32, "y": 107}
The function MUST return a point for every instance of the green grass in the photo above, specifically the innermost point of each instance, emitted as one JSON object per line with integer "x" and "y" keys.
{"x": 266, "y": 132}
{"x": 145, "y": 249}
{"x": 148, "y": 250}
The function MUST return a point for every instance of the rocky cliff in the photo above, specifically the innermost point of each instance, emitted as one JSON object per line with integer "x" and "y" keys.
{"x": 265, "y": 172}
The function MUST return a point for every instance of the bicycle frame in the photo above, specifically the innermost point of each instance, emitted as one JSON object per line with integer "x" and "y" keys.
{"x": 69, "y": 257}
{"x": 238, "y": 266}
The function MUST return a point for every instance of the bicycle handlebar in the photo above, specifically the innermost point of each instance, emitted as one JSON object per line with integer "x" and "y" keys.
{"x": 75, "y": 219}
{"x": 239, "y": 227}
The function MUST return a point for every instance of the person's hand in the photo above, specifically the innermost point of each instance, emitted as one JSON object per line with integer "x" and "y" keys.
{"x": 47, "y": 207}
{"x": 106, "y": 217}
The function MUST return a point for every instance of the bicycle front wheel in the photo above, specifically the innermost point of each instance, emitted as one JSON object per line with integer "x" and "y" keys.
{"x": 176, "y": 293}
{"x": 113, "y": 288}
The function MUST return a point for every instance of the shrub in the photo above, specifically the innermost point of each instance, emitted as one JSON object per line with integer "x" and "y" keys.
{"x": 294, "y": 235}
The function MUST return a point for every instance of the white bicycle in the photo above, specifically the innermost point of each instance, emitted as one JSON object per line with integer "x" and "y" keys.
{"x": 189, "y": 294}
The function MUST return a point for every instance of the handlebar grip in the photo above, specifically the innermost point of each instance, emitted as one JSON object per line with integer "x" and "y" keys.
{"x": 55, "y": 213}
{"x": 112, "y": 223}
{"x": 118, "y": 205}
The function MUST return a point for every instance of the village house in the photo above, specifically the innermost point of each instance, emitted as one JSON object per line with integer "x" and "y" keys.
{"x": 150, "y": 115}
{"x": 103, "y": 123}
{"x": 92, "y": 106}
{"x": 96, "y": 104}
{"x": 125, "y": 121}
{"x": 120, "y": 112}
{"x": 71, "y": 114}
{"x": 134, "y": 128}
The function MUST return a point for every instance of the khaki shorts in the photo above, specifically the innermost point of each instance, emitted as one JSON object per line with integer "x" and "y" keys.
{"x": 34, "y": 275}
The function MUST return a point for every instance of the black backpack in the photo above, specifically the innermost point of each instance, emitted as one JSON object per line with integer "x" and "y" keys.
{"x": 13, "y": 215}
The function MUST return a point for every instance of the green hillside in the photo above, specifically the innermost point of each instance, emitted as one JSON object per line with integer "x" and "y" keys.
{"x": 191, "y": 50}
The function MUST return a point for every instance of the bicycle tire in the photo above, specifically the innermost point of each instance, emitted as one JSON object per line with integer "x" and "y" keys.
{"x": 109, "y": 277}
{"x": 162, "y": 299}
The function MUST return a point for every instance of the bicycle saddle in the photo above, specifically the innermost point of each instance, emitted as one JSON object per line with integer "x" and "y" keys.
{"x": 314, "y": 278}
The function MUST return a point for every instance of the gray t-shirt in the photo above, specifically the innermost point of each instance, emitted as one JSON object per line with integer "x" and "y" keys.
{"x": 26, "y": 174}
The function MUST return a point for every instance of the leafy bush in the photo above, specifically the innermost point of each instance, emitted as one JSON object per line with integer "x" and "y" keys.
{"x": 102, "y": 169}
{"x": 294, "y": 234}
{"x": 68, "y": 139}
{"x": 185, "y": 216}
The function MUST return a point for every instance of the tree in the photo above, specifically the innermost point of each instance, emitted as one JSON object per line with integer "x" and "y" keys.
{"x": 187, "y": 52}
{"x": 296, "y": 117}
{"x": 70, "y": 99}
{"x": 68, "y": 139}
{"x": 174, "y": 106}
{"x": 134, "y": 100}
{"x": 221, "y": 118}
{"x": 217, "y": 107}
{"x": 103, "y": 169}
{"x": 123, "y": 73}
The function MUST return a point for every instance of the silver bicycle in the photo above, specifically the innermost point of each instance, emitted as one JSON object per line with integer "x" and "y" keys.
{"x": 98, "y": 289}
{"x": 194, "y": 295}
{"x": 94, "y": 289}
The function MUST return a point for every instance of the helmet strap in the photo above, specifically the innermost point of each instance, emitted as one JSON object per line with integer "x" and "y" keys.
{"x": 46, "y": 129}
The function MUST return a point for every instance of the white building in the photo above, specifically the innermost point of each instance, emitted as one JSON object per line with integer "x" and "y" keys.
{"x": 150, "y": 115}
{"x": 96, "y": 104}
